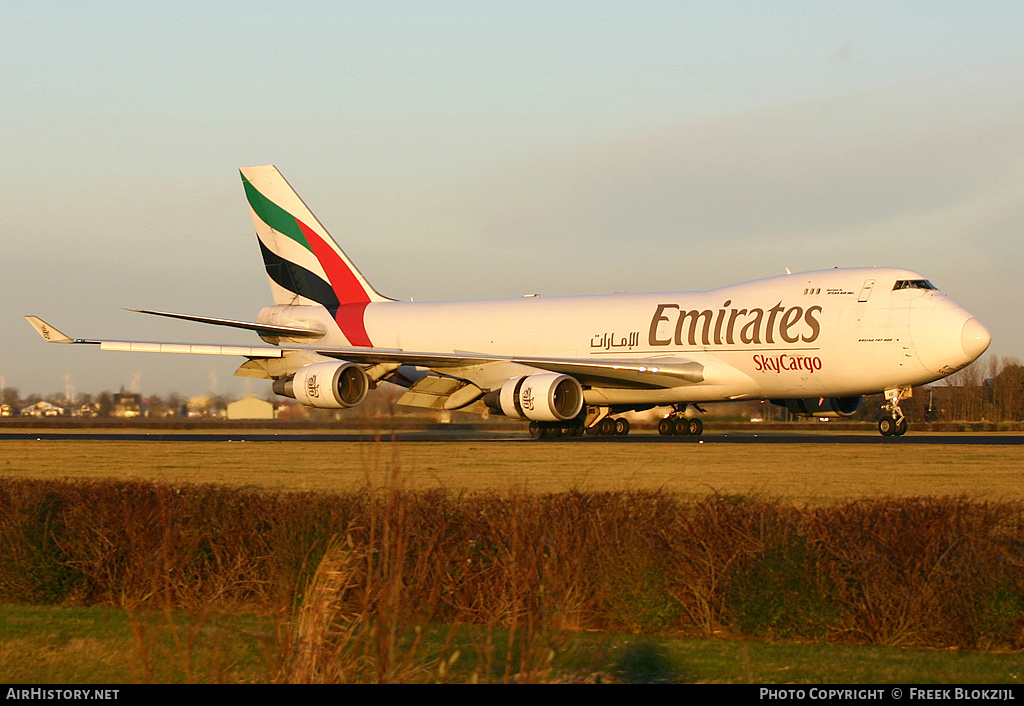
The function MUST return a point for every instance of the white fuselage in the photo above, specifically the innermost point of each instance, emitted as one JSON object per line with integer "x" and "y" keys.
{"x": 835, "y": 332}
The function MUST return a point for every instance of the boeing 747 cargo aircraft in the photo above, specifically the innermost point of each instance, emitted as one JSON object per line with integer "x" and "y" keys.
{"x": 813, "y": 342}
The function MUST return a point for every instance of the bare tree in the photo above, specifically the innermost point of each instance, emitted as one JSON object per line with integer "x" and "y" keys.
{"x": 965, "y": 396}
{"x": 1008, "y": 390}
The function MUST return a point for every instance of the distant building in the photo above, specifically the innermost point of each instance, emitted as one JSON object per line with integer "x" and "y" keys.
{"x": 205, "y": 407}
{"x": 127, "y": 405}
{"x": 86, "y": 410}
{"x": 42, "y": 409}
{"x": 251, "y": 408}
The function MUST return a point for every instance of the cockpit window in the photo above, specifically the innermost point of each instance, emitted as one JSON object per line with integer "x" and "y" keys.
{"x": 913, "y": 284}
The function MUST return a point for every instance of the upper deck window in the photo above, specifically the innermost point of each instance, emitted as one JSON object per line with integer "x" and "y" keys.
{"x": 913, "y": 284}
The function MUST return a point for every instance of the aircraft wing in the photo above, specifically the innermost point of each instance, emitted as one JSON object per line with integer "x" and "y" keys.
{"x": 639, "y": 373}
{"x": 651, "y": 373}
{"x": 53, "y": 335}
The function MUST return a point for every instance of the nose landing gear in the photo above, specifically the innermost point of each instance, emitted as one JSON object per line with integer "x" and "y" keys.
{"x": 896, "y": 423}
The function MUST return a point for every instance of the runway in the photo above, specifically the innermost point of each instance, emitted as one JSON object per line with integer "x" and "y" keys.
{"x": 800, "y": 467}
{"x": 463, "y": 436}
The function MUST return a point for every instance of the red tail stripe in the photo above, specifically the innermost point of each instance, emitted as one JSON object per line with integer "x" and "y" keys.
{"x": 351, "y": 295}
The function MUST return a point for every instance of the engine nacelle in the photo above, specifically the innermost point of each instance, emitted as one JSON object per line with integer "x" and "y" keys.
{"x": 326, "y": 385}
{"x": 822, "y": 407}
{"x": 546, "y": 397}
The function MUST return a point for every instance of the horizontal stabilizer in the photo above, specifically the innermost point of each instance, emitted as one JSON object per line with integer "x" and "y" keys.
{"x": 262, "y": 329}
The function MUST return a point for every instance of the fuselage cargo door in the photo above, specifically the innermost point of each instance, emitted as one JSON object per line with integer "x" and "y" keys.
{"x": 865, "y": 291}
{"x": 883, "y": 335}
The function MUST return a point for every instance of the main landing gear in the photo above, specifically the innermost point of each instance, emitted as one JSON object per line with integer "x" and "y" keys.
{"x": 609, "y": 427}
{"x": 677, "y": 424}
{"x": 599, "y": 422}
{"x": 556, "y": 430}
{"x": 896, "y": 423}
{"x": 595, "y": 422}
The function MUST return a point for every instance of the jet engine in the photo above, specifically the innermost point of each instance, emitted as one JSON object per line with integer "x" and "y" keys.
{"x": 546, "y": 397}
{"x": 822, "y": 406}
{"x": 326, "y": 385}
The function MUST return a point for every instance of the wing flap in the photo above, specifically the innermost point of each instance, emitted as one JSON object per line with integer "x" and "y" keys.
{"x": 649, "y": 373}
{"x": 193, "y": 348}
{"x": 440, "y": 392}
{"x": 628, "y": 372}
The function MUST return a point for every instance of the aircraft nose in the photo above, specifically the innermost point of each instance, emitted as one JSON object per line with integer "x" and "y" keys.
{"x": 945, "y": 336}
{"x": 974, "y": 338}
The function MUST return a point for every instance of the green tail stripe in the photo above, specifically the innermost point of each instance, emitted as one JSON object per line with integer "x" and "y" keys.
{"x": 274, "y": 216}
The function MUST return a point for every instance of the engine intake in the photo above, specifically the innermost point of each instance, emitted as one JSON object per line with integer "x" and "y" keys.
{"x": 546, "y": 397}
{"x": 822, "y": 407}
{"x": 326, "y": 385}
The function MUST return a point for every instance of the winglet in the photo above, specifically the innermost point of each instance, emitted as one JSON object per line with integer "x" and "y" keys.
{"x": 48, "y": 332}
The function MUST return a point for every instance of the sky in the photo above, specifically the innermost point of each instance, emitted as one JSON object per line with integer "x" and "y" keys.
{"x": 461, "y": 150}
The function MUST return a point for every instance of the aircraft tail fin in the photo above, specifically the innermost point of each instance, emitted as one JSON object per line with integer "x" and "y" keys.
{"x": 304, "y": 264}
{"x": 302, "y": 259}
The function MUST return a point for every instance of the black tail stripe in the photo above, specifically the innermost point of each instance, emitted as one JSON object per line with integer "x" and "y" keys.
{"x": 299, "y": 280}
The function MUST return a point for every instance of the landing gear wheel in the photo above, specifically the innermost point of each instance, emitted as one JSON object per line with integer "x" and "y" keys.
{"x": 696, "y": 427}
{"x": 667, "y": 427}
{"x": 894, "y": 423}
{"x": 535, "y": 430}
{"x": 621, "y": 427}
{"x": 606, "y": 427}
{"x": 682, "y": 427}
